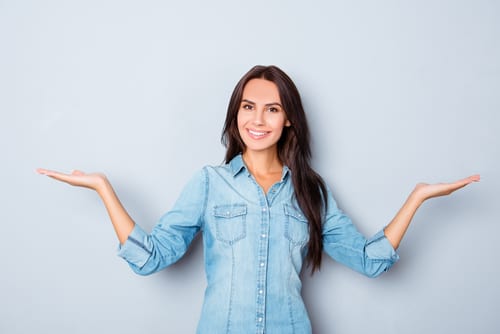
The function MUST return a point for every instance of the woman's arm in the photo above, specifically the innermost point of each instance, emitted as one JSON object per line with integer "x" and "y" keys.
{"x": 396, "y": 229}
{"x": 122, "y": 222}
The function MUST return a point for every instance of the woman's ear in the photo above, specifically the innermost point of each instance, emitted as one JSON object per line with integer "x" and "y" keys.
{"x": 288, "y": 124}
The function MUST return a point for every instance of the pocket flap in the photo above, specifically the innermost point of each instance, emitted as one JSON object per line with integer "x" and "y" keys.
{"x": 229, "y": 211}
{"x": 295, "y": 213}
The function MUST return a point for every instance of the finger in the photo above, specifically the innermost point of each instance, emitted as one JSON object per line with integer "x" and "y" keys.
{"x": 56, "y": 175}
{"x": 475, "y": 178}
{"x": 468, "y": 180}
{"x": 452, "y": 187}
{"x": 41, "y": 171}
{"x": 47, "y": 172}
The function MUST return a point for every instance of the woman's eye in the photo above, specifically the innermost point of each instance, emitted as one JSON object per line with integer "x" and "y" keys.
{"x": 273, "y": 109}
{"x": 247, "y": 107}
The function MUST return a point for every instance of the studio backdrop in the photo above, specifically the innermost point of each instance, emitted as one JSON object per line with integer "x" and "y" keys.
{"x": 396, "y": 92}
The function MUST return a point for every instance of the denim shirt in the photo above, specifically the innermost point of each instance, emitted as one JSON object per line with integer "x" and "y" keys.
{"x": 254, "y": 245}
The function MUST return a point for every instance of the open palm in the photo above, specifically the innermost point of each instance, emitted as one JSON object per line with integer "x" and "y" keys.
{"x": 76, "y": 178}
{"x": 427, "y": 191}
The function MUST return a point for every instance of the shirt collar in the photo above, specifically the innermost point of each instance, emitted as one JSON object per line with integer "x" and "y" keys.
{"x": 237, "y": 165}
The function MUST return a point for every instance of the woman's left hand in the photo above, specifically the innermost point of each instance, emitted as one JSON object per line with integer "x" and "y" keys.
{"x": 425, "y": 191}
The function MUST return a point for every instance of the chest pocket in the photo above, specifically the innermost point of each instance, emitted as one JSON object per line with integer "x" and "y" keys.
{"x": 296, "y": 226}
{"x": 230, "y": 222}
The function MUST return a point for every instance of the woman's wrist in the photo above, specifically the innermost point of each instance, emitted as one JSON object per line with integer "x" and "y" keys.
{"x": 417, "y": 197}
{"x": 102, "y": 185}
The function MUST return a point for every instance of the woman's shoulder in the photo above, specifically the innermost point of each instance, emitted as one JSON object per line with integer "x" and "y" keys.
{"x": 207, "y": 172}
{"x": 226, "y": 168}
{"x": 211, "y": 170}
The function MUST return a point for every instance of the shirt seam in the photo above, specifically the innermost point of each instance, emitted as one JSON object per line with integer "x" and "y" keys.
{"x": 205, "y": 199}
{"x": 391, "y": 258}
{"x": 139, "y": 244}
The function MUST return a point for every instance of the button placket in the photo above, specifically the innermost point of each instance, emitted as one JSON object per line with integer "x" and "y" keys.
{"x": 262, "y": 268}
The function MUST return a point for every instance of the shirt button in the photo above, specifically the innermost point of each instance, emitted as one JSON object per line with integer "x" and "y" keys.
{"x": 260, "y": 319}
{"x": 264, "y": 209}
{"x": 262, "y": 264}
{"x": 261, "y": 292}
{"x": 263, "y": 236}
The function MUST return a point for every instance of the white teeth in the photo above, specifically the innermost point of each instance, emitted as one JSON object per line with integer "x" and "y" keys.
{"x": 255, "y": 133}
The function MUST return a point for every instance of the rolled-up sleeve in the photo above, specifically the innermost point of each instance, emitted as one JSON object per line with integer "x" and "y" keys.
{"x": 345, "y": 244}
{"x": 171, "y": 237}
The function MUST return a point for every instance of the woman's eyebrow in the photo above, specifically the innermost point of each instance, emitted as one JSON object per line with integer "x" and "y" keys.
{"x": 274, "y": 104}
{"x": 267, "y": 104}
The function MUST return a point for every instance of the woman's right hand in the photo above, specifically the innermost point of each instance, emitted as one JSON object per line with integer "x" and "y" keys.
{"x": 121, "y": 220}
{"x": 95, "y": 181}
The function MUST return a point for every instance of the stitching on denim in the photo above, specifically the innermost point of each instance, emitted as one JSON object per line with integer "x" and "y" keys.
{"x": 138, "y": 243}
{"x": 222, "y": 219}
{"x": 204, "y": 208}
{"x": 338, "y": 244}
{"x": 230, "y": 308}
{"x": 290, "y": 311}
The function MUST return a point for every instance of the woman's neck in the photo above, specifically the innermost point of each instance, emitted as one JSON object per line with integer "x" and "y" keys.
{"x": 262, "y": 163}
{"x": 265, "y": 167}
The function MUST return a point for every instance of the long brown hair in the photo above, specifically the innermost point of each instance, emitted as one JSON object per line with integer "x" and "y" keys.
{"x": 293, "y": 150}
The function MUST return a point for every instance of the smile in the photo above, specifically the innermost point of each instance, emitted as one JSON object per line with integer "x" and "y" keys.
{"x": 257, "y": 134}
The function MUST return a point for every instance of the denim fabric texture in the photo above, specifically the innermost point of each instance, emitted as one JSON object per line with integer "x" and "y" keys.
{"x": 254, "y": 245}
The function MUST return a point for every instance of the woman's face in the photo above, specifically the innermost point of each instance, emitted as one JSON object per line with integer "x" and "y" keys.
{"x": 261, "y": 117}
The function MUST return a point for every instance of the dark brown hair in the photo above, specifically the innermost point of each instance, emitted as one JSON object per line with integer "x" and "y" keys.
{"x": 294, "y": 151}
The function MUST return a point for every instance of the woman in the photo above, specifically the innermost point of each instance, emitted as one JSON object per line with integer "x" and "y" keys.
{"x": 262, "y": 214}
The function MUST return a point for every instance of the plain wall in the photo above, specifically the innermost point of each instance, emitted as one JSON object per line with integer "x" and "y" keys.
{"x": 396, "y": 92}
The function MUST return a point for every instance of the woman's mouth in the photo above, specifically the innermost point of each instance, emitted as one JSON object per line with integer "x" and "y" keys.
{"x": 257, "y": 134}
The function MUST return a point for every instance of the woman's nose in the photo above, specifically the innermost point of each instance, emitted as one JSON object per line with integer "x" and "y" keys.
{"x": 258, "y": 117}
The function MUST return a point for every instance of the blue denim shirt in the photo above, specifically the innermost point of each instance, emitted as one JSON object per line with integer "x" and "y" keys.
{"x": 254, "y": 245}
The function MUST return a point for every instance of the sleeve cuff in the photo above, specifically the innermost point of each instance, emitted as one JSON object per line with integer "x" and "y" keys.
{"x": 378, "y": 247}
{"x": 135, "y": 250}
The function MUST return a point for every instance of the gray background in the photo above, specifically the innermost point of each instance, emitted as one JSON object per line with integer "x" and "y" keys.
{"x": 397, "y": 92}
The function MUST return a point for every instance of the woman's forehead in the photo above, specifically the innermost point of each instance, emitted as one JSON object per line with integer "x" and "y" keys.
{"x": 261, "y": 91}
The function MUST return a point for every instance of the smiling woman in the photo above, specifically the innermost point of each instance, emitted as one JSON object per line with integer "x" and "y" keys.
{"x": 262, "y": 214}
{"x": 261, "y": 117}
